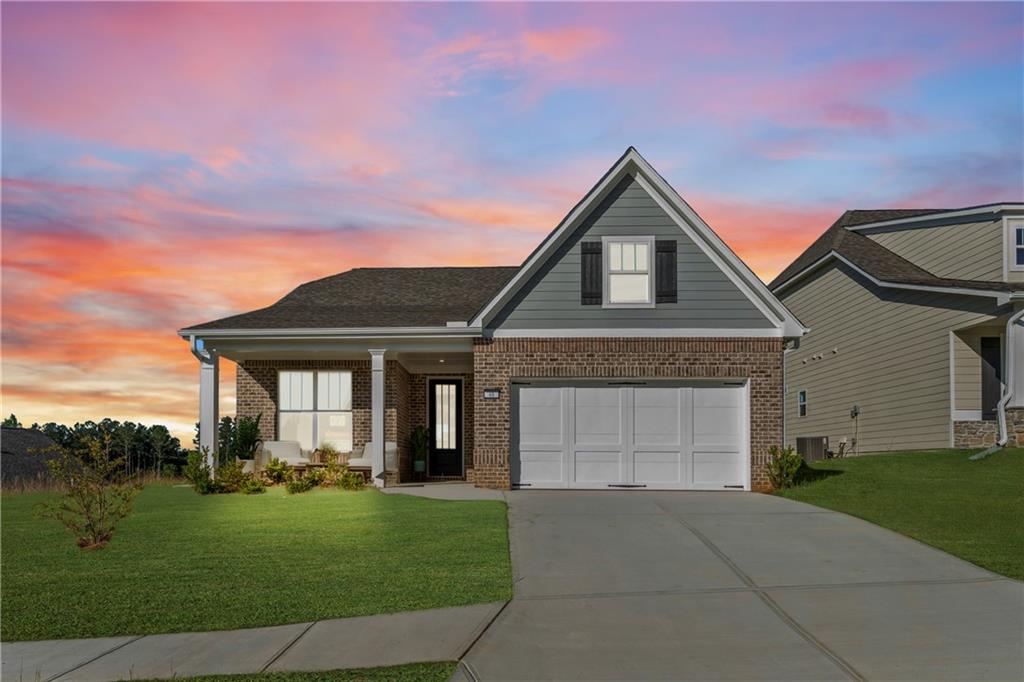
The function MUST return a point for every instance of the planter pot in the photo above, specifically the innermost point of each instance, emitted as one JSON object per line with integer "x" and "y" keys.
{"x": 419, "y": 466}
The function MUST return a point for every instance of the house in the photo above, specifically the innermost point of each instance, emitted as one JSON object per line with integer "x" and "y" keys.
{"x": 916, "y": 338}
{"x": 24, "y": 453}
{"x": 632, "y": 348}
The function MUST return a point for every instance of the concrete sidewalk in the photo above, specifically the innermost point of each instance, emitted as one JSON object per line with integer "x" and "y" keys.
{"x": 363, "y": 642}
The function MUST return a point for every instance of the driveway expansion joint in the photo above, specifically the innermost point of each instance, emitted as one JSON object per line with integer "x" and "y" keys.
{"x": 793, "y": 624}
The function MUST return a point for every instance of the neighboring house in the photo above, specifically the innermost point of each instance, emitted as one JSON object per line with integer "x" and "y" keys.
{"x": 632, "y": 348}
{"x": 24, "y": 453}
{"x": 915, "y": 320}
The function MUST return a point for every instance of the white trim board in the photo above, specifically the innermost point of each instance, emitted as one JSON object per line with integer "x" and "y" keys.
{"x": 631, "y": 162}
{"x": 1001, "y": 297}
{"x": 942, "y": 215}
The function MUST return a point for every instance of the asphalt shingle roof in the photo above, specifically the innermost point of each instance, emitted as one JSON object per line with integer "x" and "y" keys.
{"x": 874, "y": 258}
{"x": 378, "y": 297}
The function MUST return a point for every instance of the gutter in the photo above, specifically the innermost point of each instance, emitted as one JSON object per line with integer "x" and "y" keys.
{"x": 344, "y": 332}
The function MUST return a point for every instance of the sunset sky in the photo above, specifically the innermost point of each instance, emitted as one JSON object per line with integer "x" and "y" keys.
{"x": 168, "y": 164}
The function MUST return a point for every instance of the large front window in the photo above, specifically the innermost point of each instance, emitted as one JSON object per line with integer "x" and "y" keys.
{"x": 628, "y": 271}
{"x": 315, "y": 408}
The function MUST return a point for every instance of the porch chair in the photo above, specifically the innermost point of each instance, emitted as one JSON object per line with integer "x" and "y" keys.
{"x": 365, "y": 460}
{"x": 288, "y": 451}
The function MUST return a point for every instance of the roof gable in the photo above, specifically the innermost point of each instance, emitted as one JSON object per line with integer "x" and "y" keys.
{"x": 632, "y": 164}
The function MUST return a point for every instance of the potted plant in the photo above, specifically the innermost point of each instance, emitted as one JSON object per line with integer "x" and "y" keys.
{"x": 419, "y": 443}
{"x": 246, "y": 441}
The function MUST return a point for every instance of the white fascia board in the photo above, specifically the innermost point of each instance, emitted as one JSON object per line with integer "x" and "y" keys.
{"x": 342, "y": 333}
{"x": 640, "y": 333}
{"x": 959, "y": 213}
{"x": 673, "y": 204}
{"x": 1001, "y": 297}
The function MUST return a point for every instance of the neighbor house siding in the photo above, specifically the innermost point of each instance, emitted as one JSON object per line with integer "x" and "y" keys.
{"x": 884, "y": 350}
{"x": 707, "y": 298}
{"x": 960, "y": 251}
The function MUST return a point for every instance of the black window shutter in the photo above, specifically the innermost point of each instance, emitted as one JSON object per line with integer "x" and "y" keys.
{"x": 665, "y": 286}
{"x": 590, "y": 273}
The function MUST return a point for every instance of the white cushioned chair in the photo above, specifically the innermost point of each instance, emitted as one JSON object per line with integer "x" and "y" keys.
{"x": 365, "y": 460}
{"x": 288, "y": 451}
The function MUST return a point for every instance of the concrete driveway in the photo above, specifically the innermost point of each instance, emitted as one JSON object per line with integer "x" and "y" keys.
{"x": 646, "y": 585}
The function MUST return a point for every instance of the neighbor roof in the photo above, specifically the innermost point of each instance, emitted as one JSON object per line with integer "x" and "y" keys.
{"x": 377, "y": 297}
{"x": 875, "y": 259}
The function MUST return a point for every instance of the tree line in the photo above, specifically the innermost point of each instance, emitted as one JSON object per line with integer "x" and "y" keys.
{"x": 144, "y": 449}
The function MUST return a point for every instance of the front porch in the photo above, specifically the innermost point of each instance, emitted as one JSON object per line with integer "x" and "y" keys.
{"x": 981, "y": 366}
{"x": 364, "y": 403}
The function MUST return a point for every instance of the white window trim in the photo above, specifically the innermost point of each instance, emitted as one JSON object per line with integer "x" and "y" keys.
{"x": 1010, "y": 227}
{"x": 799, "y": 404}
{"x": 606, "y": 270}
{"x": 316, "y": 411}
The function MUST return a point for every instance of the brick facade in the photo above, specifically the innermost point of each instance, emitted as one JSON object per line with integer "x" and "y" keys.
{"x": 497, "y": 361}
{"x": 983, "y": 434}
{"x": 405, "y": 403}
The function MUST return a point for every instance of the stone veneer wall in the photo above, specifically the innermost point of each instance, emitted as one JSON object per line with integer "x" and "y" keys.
{"x": 497, "y": 361}
{"x": 982, "y": 434}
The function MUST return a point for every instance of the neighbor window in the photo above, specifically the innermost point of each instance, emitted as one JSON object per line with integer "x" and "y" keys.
{"x": 1018, "y": 248}
{"x": 801, "y": 404}
{"x": 628, "y": 270}
{"x": 1015, "y": 244}
{"x": 315, "y": 408}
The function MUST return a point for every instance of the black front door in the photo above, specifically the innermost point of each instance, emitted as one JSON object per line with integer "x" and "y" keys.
{"x": 445, "y": 398}
{"x": 991, "y": 375}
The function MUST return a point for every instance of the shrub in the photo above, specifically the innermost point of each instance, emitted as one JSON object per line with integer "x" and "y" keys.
{"x": 196, "y": 468}
{"x": 276, "y": 471}
{"x": 299, "y": 484}
{"x": 245, "y": 438}
{"x": 230, "y": 476}
{"x": 315, "y": 476}
{"x": 95, "y": 498}
{"x": 253, "y": 485}
{"x": 169, "y": 470}
{"x": 783, "y": 466}
{"x": 351, "y": 480}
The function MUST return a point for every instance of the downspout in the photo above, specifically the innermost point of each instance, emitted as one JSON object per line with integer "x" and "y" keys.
{"x": 1011, "y": 328}
{"x": 790, "y": 347}
{"x": 1008, "y": 373}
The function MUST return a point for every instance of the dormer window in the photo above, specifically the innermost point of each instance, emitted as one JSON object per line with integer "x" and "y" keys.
{"x": 628, "y": 272}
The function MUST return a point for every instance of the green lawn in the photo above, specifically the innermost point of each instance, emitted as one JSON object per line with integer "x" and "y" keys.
{"x": 974, "y": 510}
{"x": 185, "y": 562}
{"x": 415, "y": 672}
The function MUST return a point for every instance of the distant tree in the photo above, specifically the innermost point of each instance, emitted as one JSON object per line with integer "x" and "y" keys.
{"x": 162, "y": 443}
{"x": 12, "y": 422}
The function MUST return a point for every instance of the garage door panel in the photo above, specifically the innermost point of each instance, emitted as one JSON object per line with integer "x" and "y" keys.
{"x": 717, "y": 416}
{"x": 597, "y": 466}
{"x": 541, "y": 466}
{"x": 653, "y": 468}
{"x": 715, "y": 469}
{"x": 656, "y": 416}
{"x": 540, "y": 416}
{"x": 598, "y": 416}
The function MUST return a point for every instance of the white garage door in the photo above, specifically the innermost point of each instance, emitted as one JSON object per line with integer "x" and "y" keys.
{"x": 630, "y": 435}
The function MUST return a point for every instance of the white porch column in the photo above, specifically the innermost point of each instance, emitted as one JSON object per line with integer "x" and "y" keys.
{"x": 209, "y": 400}
{"x": 377, "y": 415}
